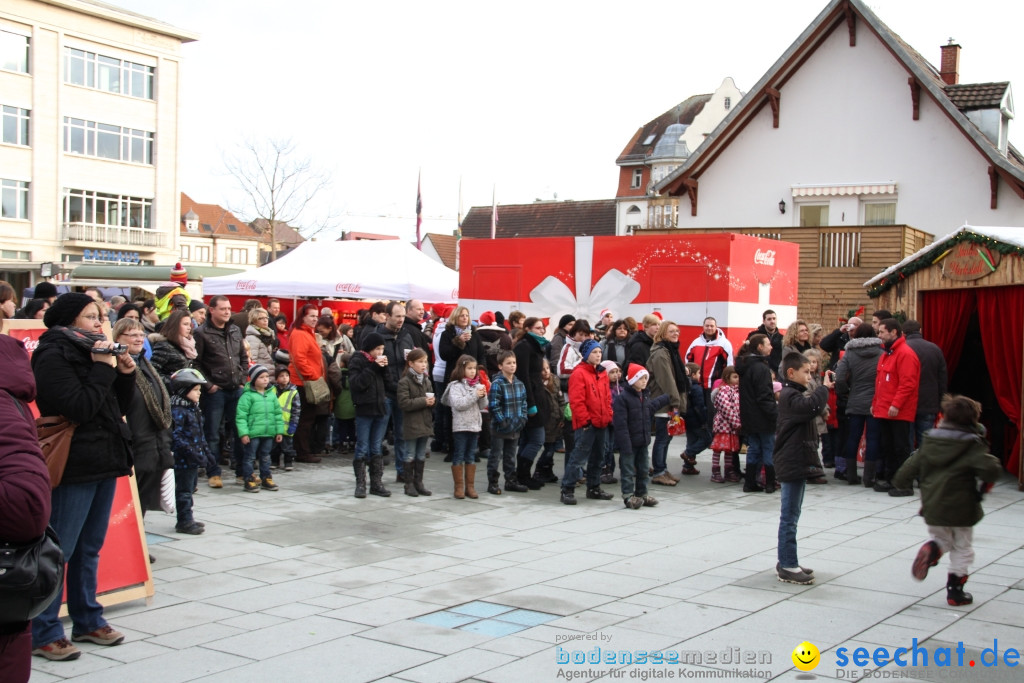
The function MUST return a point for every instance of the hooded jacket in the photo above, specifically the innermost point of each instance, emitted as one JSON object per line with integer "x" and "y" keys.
{"x": 465, "y": 405}
{"x": 663, "y": 381}
{"x": 167, "y": 358}
{"x": 758, "y": 410}
{"x": 796, "y": 440}
{"x": 947, "y": 464}
{"x": 855, "y": 374}
{"x": 366, "y": 381}
{"x": 590, "y": 397}
{"x": 638, "y": 348}
{"x": 257, "y": 415}
{"x": 896, "y": 382}
{"x": 95, "y": 396}
{"x": 712, "y": 356}
{"x": 417, "y": 416}
{"x": 633, "y": 412}
{"x": 529, "y": 367}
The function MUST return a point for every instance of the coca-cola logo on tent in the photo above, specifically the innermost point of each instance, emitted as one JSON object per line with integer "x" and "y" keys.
{"x": 347, "y": 287}
{"x": 245, "y": 285}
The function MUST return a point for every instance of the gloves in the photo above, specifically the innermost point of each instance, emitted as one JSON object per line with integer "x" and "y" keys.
{"x": 532, "y": 410}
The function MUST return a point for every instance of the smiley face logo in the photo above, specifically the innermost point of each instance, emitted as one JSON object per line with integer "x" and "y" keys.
{"x": 806, "y": 656}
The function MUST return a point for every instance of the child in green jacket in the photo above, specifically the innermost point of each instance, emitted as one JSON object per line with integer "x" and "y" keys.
{"x": 260, "y": 425}
{"x": 951, "y": 459}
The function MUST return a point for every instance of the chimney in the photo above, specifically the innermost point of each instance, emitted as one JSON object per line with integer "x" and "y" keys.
{"x": 949, "y": 69}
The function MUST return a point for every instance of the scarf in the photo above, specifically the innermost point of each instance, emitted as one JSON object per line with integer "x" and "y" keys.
{"x": 540, "y": 339}
{"x": 678, "y": 369}
{"x": 188, "y": 347}
{"x": 153, "y": 391}
{"x": 472, "y": 381}
{"x": 417, "y": 376}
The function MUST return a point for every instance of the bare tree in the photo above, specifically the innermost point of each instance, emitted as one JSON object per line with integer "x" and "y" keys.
{"x": 280, "y": 185}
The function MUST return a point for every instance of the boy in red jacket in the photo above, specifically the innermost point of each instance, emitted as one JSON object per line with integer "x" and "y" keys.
{"x": 590, "y": 399}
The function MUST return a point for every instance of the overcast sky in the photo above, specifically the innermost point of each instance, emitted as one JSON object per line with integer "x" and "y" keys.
{"x": 535, "y": 98}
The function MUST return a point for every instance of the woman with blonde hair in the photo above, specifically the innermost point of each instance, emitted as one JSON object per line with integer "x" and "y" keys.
{"x": 668, "y": 376}
{"x": 796, "y": 340}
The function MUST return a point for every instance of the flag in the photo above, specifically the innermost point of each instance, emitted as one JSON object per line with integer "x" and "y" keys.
{"x": 494, "y": 212}
{"x": 458, "y": 225}
{"x": 419, "y": 209}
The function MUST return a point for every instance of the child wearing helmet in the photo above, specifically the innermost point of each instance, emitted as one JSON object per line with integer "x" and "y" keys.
{"x": 188, "y": 444}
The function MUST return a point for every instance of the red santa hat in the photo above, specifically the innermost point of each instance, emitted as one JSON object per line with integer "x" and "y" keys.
{"x": 635, "y": 372}
{"x": 179, "y": 274}
{"x": 487, "y": 318}
{"x": 657, "y": 314}
{"x": 605, "y": 311}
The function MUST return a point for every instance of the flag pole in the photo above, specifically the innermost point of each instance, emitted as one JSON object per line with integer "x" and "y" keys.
{"x": 494, "y": 210}
{"x": 419, "y": 209}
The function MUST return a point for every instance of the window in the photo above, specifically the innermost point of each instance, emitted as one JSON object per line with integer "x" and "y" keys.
{"x": 99, "y": 208}
{"x": 14, "y": 199}
{"x": 880, "y": 213}
{"x": 232, "y": 227}
{"x": 202, "y": 254}
{"x": 14, "y": 255}
{"x": 638, "y": 178}
{"x": 15, "y": 125}
{"x": 649, "y": 139}
{"x": 238, "y": 256}
{"x": 108, "y": 73}
{"x": 107, "y": 142}
{"x": 634, "y": 209}
{"x": 207, "y": 227}
{"x": 839, "y": 250}
{"x": 185, "y": 252}
{"x": 728, "y": 103}
{"x": 812, "y": 215}
{"x": 14, "y": 52}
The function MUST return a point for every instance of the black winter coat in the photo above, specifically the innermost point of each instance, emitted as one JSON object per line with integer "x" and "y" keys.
{"x": 529, "y": 366}
{"x": 834, "y": 343}
{"x": 221, "y": 356}
{"x": 93, "y": 395}
{"x": 366, "y": 380}
{"x": 632, "y": 414}
{"x": 451, "y": 350}
{"x": 796, "y": 441}
{"x": 776, "y": 339}
{"x": 638, "y": 349}
{"x": 934, "y": 376}
{"x": 758, "y": 410}
{"x": 167, "y": 358}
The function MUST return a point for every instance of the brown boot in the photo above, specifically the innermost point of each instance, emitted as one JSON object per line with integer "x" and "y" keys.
{"x": 417, "y": 478}
{"x": 458, "y": 473}
{"x": 470, "y": 477}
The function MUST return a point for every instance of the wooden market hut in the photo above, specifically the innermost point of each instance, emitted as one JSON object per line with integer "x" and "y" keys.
{"x": 967, "y": 291}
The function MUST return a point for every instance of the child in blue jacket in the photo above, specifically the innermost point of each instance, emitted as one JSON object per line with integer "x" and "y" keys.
{"x": 188, "y": 444}
{"x": 633, "y": 412}
{"x": 698, "y": 437}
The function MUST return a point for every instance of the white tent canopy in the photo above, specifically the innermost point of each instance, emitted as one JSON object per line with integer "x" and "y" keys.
{"x": 357, "y": 269}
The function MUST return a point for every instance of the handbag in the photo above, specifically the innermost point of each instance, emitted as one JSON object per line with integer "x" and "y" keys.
{"x": 30, "y": 575}
{"x": 314, "y": 391}
{"x": 55, "y": 433}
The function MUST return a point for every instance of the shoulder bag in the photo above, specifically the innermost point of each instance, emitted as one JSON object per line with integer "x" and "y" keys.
{"x": 55, "y": 433}
{"x": 30, "y": 575}
{"x": 314, "y": 391}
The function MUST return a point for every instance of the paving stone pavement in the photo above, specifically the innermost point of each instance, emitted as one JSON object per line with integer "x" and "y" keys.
{"x": 308, "y": 583}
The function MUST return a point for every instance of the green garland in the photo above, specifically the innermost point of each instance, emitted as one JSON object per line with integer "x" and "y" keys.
{"x": 928, "y": 259}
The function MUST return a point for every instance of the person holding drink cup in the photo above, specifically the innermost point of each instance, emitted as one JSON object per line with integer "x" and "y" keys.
{"x": 417, "y": 406}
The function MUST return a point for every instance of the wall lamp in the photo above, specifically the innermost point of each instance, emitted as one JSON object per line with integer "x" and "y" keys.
{"x": 782, "y": 206}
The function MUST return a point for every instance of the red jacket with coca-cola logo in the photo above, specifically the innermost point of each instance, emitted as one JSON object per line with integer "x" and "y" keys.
{"x": 590, "y": 396}
{"x": 896, "y": 382}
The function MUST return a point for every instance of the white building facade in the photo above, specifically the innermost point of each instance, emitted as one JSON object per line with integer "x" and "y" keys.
{"x": 89, "y": 153}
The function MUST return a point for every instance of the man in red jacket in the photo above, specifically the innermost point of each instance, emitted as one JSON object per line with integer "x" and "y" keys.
{"x": 590, "y": 399}
{"x": 895, "y": 401}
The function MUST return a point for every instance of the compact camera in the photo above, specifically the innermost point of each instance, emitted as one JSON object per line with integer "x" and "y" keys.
{"x": 115, "y": 350}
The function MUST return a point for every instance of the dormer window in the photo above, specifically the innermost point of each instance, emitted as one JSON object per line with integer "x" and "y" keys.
{"x": 728, "y": 103}
{"x": 191, "y": 221}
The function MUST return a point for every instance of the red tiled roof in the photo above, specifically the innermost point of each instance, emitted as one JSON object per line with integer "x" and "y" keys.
{"x": 444, "y": 245}
{"x": 977, "y": 95}
{"x": 543, "y": 219}
{"x": 684, "y": 112}
{"x": 217, "y": 218}
{"x": 284, "y": 234}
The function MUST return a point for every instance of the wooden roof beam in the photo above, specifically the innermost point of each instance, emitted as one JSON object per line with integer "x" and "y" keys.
{"x": 691, "y": 191}
{"x": 915, "y": 96}
{"x": 851, "y": 24}
{"x": 774, "y": 96}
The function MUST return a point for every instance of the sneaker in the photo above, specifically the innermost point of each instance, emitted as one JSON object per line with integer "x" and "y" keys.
{"x": 269, "y": 484}
{"x": 288, "y": 467}
{"x": 650, "y": 501}
{"x": 633, "y": 502}
{"x": 568, "y": 497}
{"x": 800, "y": 577}
{"x": 251, "y": 487}
{"x": 215, "y": 482}
{"x": 927, "y": 556}
{"x": 805, "y": 570}
{"x": 595, "y": 493}
{"x": 609, "y": 479}
{"x": 192, "y": 528}
{"x": 239, "y": 480}
{"x": 664, "y": 479}
{"x": 104, "y": 635}
{"x": 58, "y": 651}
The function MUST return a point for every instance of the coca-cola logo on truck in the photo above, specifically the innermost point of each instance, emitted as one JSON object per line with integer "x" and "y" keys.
{"x": 30, "y": 343}
{"x": 245, "y": 285}
{"x": 348, "y": 287}
{"x": 765, "y": 258}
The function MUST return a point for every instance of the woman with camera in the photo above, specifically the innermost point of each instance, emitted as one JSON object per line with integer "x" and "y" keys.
{"x": 80, "y": 376}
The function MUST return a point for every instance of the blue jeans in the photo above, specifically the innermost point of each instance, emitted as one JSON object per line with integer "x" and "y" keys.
{"x": 589, "y": 451}
{"x": 659, "y": 452}
{"x": 257, "y": 451}
{"x": 531, "y": 442}
{"x": 184, "y": 484}
{"x": 697, "y": 439}
{"x": 872, "y": 444}
{"x": 214, "y": 407}
{"x": 609, "y": 450}
{"x": 79, "y": 514}
{"x": 369, "y": 433}
{"x": 464, "y": 444}
{"x": 395, "y": 413}
{"x": 415, "y": 449}
{"x": 760, "y": 448}
{"x": 792, "y": 502}
{"x": 503, "y": 449}
{"x": 547, "y": 456}
{"x": 634, "y": 468}
{"x": 922, "y": 423}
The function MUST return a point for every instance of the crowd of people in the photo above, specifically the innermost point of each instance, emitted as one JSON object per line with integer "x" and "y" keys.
{"x": 195, "y": 387}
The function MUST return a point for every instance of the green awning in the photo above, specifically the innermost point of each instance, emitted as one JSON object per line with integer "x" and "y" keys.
{"x": 145, "y": 273}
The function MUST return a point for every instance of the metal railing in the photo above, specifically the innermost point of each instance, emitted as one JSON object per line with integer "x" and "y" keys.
{"x": 112, "y": 234}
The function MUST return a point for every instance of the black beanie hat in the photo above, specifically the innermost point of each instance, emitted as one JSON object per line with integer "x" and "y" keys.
{"x": 44, "y": 290}
{"x": 66, "y": 308}
{"x": 371, "y": 341}
{"x": 565, "y": 320}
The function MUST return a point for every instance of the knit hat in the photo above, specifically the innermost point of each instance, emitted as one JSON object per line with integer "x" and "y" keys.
{"x": 371, "y": 341}
{"x": 196, "y": 305}
{"x": 487, "y": 318}
{"x": 565, "y": 320}
{"x": 179, "y": 274}
{"x": 66, "y": 308}
{"x": 45, "y": 290}
{"x": 609, "y": 365}
{"x": 587, "y": 347}
{"x": 636, "y": 372}
{"x": 499, "y": 319}
{"x": 257, "y": 370}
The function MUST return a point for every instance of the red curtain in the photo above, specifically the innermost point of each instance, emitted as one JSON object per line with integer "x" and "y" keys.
{"x": 944, "y": 318}
{"x": 1001, "y": 318}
